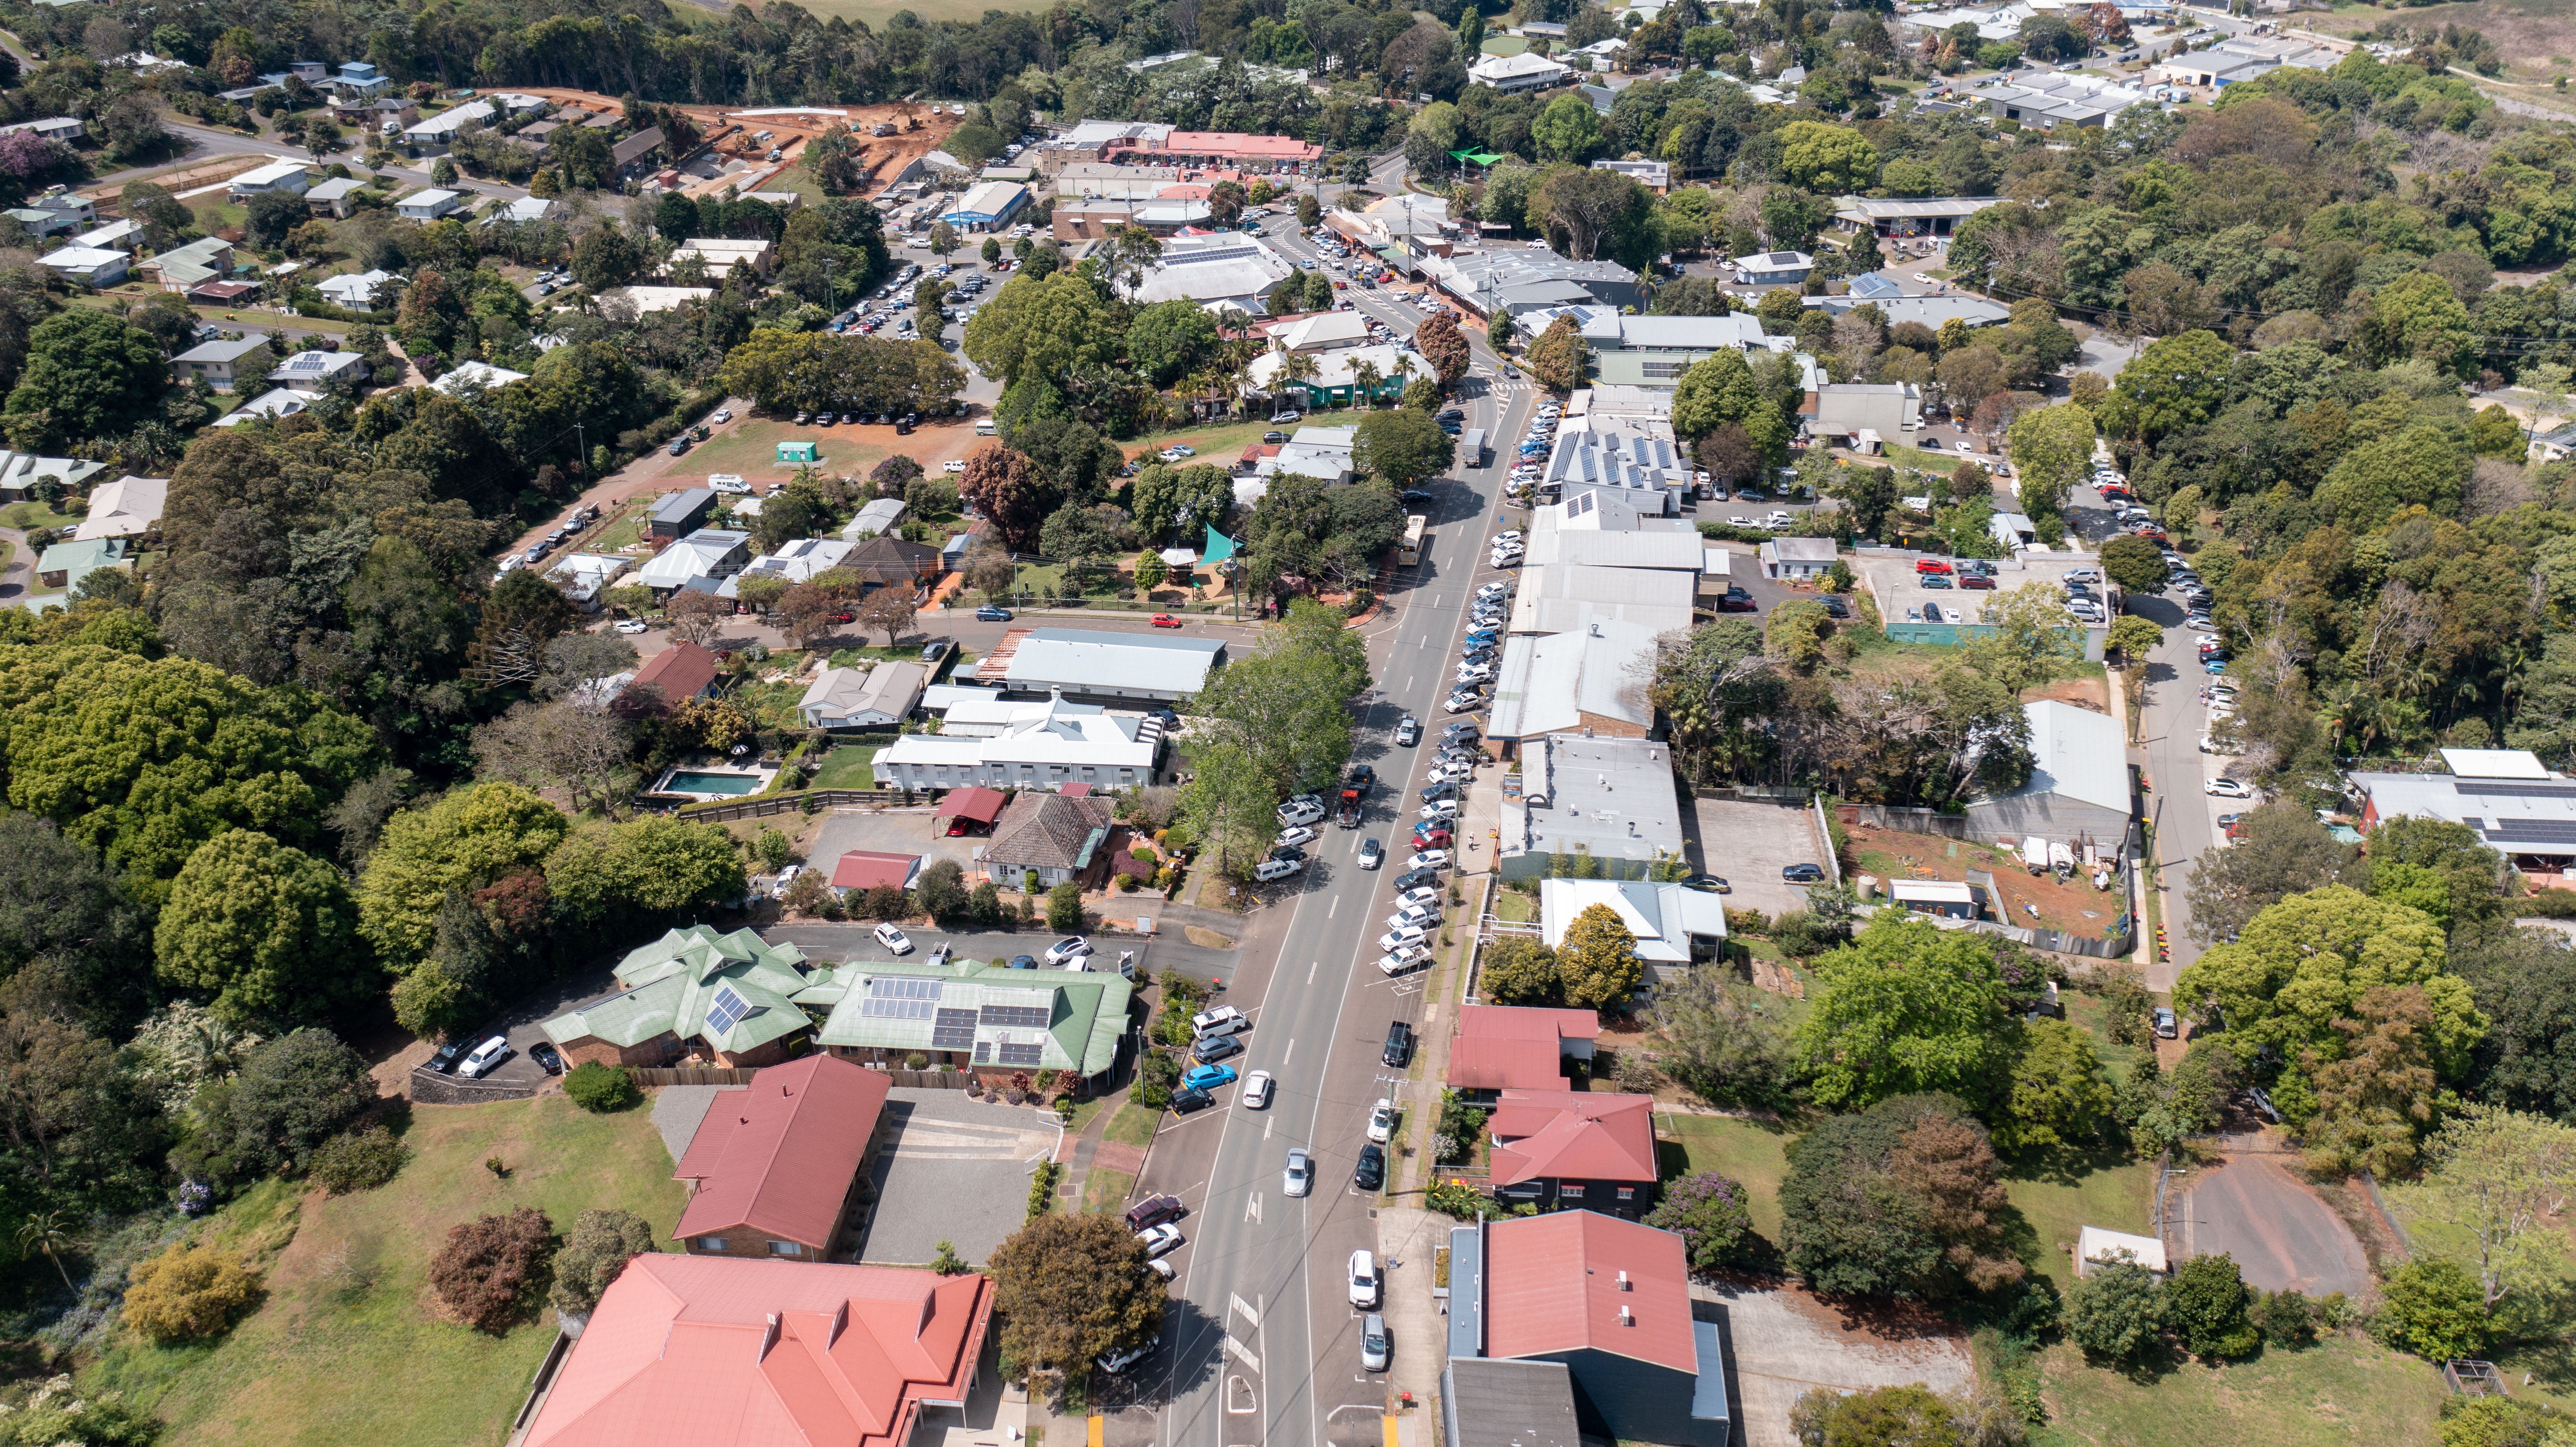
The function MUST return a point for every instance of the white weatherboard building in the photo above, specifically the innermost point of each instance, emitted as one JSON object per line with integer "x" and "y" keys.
{"x": 1041, "y": 745}
{"x": 1512, "y": 74}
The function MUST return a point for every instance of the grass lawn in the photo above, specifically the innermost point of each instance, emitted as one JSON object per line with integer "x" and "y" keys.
{"x": 797, "y": 179}
{"x": 344, "y": 1348}
{"x": 1505, "y": 45}
{"x": 749, "y": 447}
{"x": 32, "y": 514}
{"x": 1222, "y": 443}
{"x": 244, "y": 317}
{"x": 2345, "y": 1390}
{"x": 1133, "y": 1125}
{"x": 2055, "y": 1206}
{"x": 1752, "y": 1151}
{"x": 1515, "y": 907}
{"x": 623, "y": 529}
{"x": 849, "y": 766}
{"x": 1106, "y": 1190}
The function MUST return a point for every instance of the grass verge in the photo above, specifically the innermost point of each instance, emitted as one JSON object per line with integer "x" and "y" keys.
{"x": 1105, "y": 1191}
{"x": 2057, "y": 1203}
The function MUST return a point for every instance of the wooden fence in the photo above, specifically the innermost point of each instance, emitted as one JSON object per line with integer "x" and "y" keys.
{"x": 795, "y": 803}
{"x": 689, "y": 1075}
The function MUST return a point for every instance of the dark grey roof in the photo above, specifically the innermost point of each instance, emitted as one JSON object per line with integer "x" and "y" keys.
{"x": 683, "y": 505}
{"x": 1508, "y": 1404}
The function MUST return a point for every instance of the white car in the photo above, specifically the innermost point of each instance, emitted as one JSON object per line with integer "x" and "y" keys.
{"x": 893, "y": 939}
{"x": 1401, "y": 920}
{"x": 2228, "y": 789}
{"x": 952, "y": 465}
{"x": 1072, "y": 947}
{"x": 1472, "y": 673}
{"x": 1424, "y": 895}
{"x": 1381, "y": 1122}
{"x": 723, "y": 415}
{"x": 728, "y": 483}
{"x": 1428, "y": 859}
{"x": 485, "y": 1058}
{"x": 1923, "y": 278}
{"x": 786, "y": 877}
{"x": 1298, "y": 835}
{"x": 1461, "y": 703}
{"x": 632, "y": 626}
{"x": 1160, "y": 1240}
{"x": 1364, "y": 1281}
{"x": 1298, "y": 1176}
{"x": 1295, "y": 813}
{"x": 1256, "y": 1091}
{"x": 1513, "y": 536}
{"x": 1207, "y": 1020}
{"x": 1399, "y": 936}
{"x": 1396, "y": 962}
{"x": 1440, "y": 809}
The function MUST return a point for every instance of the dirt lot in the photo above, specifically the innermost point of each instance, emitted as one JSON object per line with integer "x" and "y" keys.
{"x": 730, "y": 132}
{"x": 2025, "y": 899}
{"x": 1785, "y": 1343}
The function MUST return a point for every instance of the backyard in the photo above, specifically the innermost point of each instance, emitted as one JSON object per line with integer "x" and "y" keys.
{"x": 2021, "y": 898}
{"x": 2346, "y": 1389}
{"x": 849, "y": 766}
{"x": 345, "y": 1347}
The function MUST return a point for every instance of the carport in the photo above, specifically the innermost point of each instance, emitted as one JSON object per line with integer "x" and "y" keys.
{"x": 972, "y": 805}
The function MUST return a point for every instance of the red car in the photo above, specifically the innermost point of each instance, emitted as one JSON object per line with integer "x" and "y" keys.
{"x": 1931, "y": 565}
{"x": 1166, "y": 620}
{"x": 1975, "y": 580}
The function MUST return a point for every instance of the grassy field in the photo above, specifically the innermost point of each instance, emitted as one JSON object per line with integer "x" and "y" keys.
{"x": 2345, "y": 1390}
{"x": 851, "y": 766}
{"x": 1222, "y": 443}
{"x": 1754, "y": 1152}
{"x": 32, "y": 514}
{"x": 749, "y": 448}
{"x": 2055, "y": 1206}
{"x": 2536, "y": 37}
{"x": 1505, "y": 45}
{"x": 345, "y": 1347}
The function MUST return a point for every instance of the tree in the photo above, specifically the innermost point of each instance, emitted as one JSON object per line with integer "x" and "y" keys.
{"x": 268, "y": 931}
{"x": 641, "y": 872}
{"x": 1169, "y": 503}
{"x": 1724, "y": 1040}
{"x": 88, "y": 374}
{"x": 1712, "y": 1216}
{"x": 2053, "y": 447}
{"x": 2370, "y": 1097}
{"x": 2435, "y": 1309}
{"x": 1402, "y": 447}
{"x": 2525, "y": 984}
{"x": 2495, "y": 1178}
{"x": 2419, "y": 318}
{"x": 2059, "y": 1095}
{"x": 59, "y": 903}
{"x": 1072, "y": 1288}
{"x": 2115, "y": 1311}
{"x": 1905, "y": 1008}
{"x": 2281, "y": 850}
{"x": 521, "y": 616}
{"x": 2032, "y": 637}
{"x": 1568, "y": 130}
{"x": 597, "y": 1248}
{"x": 1557, "y": 357}
{"x": 490, "y": 1269}
{"x": 1064, "y": 908}
{"x": 2305, "y": 962}
{"x": 2133, "y": 563}
{"x": 293, "y": 1094}
{"x": 2134, "y": 638}
{"x": 1598, "y": 964}
{"x": 1007, "y": 487}
{"x": 889, "y": 610}
{"x": 1519, "y": 970}
{"x": 189, "y": 1293}
{"x": 581, "y": 747}
{"x": 2207, "y": 1305}
{"x": 1717, "y": 390}
{"x": 359, "y": 1160}
{"x": 1171, "y": 338}
{"x": 1902, "y": 1199}
{"x": 1443, "y": 346}
{"x": 1049, "y": 327}
{"x": 2175, "y": 383}
{"x": 44, "y": 1234}
{"x": 1828, "y": 160}
{"x": 604, "y": 1089}
{"x": 462, "y": 841}
{"x": 942, "y": 890}
{"x": 1597, "y": 210}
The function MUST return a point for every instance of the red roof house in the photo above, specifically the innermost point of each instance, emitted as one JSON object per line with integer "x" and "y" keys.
{"x": 867, "y": 868}
{"x": 683, "y": 670}
{"x": 1575, "y": 1148}
{"x": 705, "y": 1351}
{"x": 772, "y": 1167}
{"x": 1611, "y": 1300}
{"x": 1510, "y": 1047}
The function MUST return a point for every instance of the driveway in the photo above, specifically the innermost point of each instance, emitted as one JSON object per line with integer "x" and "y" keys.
{"x": 1783, "y": 1343}
{"x": 1746, "y": 844}
{"x": 953, "y": 1170}
{"x": 2282, "y": 1236}
{"x": 889, "y": 831}
{"x": 853, "y": 941}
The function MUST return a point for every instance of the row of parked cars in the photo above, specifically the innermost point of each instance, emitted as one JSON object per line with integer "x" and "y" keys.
{"x": 1485, "y": 615}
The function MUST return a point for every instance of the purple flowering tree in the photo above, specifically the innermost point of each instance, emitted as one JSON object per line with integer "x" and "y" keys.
{"x": 1710, "y": 1213}
{"x": 25, "y": 155}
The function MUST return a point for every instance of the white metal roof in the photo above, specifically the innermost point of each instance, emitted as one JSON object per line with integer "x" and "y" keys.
{"x": 2495, "y": 764}
{"x": 2077, "y": 753}
{"x": 1081, "y": 660}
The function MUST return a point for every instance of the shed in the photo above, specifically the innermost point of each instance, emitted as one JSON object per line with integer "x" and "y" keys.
{"x": 969, "y": 808}
{"x": 799, "y": 452}
{"x": 2079, "y": 781}
{"x": 1949, "y": 898}
{"x": 679, "y": 513}
{"x": 2096, "y": 1246}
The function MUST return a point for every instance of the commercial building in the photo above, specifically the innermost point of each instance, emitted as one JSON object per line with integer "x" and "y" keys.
{"x": 727, "y": 998}
{"x": 1514, "y": 74}
{"x": 1611, "y": 1301}
{"x": 2071, "y": 99}
{"x": 1864, "y": 416}
{"x": 1528, "y": 278}
{"x": 1673, "y": 925}
{"x": 1634, "y": 456}
{"x": 1593, "y": 680}
{"x": 1080, "y": 663}
{"x": 2243, "y": 57}
{"x": 90, "y": 266}
{"x": 1610, "y": 798}
{"x": 976, "y": 1016}
{"x": 775, "y": 1166}
{"x": 2078, "y": 791}
{"x": 1232, "y": 271}
{"x": 988, "y": 207}
{"x": 1513, "y": 1047}
{"x": 1908, "y": 216}
{"x": 222, "y": 364}
{"x": 1570, "y": 598}
{"x": 1234, "y": 150}
{"x": 1574, "y": 1150}
{"x": 2521, "y": 808}
{"x": 860, "y": 698}
{"x": 1504, "y": 1404}
{"x": 1650, "y": 351}
{"x": 1090, "y": 220}
{"x": 712, "y": 1351}
{"x": 719, "y": 256}
{"x": 1034, "y": 745}
{"x": 1336, "y": 377}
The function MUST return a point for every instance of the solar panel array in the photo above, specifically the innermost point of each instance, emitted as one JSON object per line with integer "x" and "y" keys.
{"x": 1015, "y": 1015}
{"x": 2489, "y": 790}
{"x": 2534, "y": 831}
{"x": 953, "y": 1030}
{"x": 983, "y": 1052}
{"x": 730, "y": 1008}
{"x": 896, "y": 997}
{"x": 1018, "y": 1054}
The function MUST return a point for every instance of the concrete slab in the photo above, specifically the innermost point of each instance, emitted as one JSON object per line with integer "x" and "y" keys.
{"x": 890, "y": 831}
{"x": 1746, "y": 844}
{"x": 678, "y": 1111}
{"x": 954, "y": 1170}
{"x": 1785, "y": 1343}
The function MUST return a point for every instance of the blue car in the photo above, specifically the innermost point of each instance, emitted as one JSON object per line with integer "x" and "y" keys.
{"x": 1207, "y": 1077}
{"x": 990, "y": 614}
{"x": 2214, "y": 665}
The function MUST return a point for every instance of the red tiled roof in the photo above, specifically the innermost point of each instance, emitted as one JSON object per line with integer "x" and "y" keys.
{"x": 1508, "y": 1047}
{"x": 1552, "y": 1286}
{"x": 1573, "y": 1135}
{"x": 718, "y": 1351}
{"x": 680, "y": 671}
{"x": 867, "y": 869}
{"x": 977, "y": 803}
{"x": 778, "y": 1155}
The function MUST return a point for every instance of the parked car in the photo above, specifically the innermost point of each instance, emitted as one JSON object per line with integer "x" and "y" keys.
{"x": 444, "y": 1059}
{"x": 486, "y": 1058}
{"x": 1154, "y": 1211}
{"x": 1802, "y": 874}
{"x": 1371, "y": 1171}
{"x": 1117, "y": 1362}
{"x": 1208, "y": 1077}
{"x": 1706, "y": 884}
{"x": 1363, "y": 1275}
{"x": 1189, "y": 1102}
{"x": 895, "y": 941}
{"x": 1399, "y": 1046}
{"x": 1375, "y": 1352}
{"x": 1381, "y": 1121}
{"x": 2226, "y": 788}
{"x": 1160, "y": 1240}
{"x": 1224, "y": 1019}
{"x": 992, "y": 614}
{"x": 786, "y": 877}
{"x": 1166, "y": 620}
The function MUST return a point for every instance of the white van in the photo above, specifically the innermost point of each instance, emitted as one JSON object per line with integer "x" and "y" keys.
{"x": 984, "y": 427}
{"x": 1275, "y": 869}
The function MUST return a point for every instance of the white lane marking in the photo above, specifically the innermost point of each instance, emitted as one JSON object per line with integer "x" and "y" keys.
{"x": 1290, "y": 1053}
{"x": 1238, "y": 1350}
{"x": 1311, "y": 967}
{"x": 1252, "y": 1209}
{"x": 1334, "y": 907}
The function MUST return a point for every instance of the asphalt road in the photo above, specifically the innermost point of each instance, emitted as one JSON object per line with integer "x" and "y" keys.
{"x": 1262, "y": 1347}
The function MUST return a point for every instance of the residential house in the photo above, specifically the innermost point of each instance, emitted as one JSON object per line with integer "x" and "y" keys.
{"x": 525, "y": 211}
{"x": 583, "y": 577}
{"x": 126, "y": 508}
{"x": 719, "y": 256}
{"x": 438, "y": 132}
{"x": 1511, "y": 1047}
{"x": 1079, "y": 663}
{"x": 90, "y": 266}
{"x": 125, "y": 236}
{"x": 1574, "y": 1150}
{"x": 1674, "y": 926}
{"x": 713, "y": 554}
{"x": 1611, "y": 1300}
{"x": 879, "y": 515}
{"x": 65, "y": 563}
{"x": 273, "y": 403}
{"x": 800, "y": 561}
{"x": 982, "y": 1017}
{"x": 311, "y": 369}
{"x": 624, "y": 303}
{"x": 1059, "y": 837}
{"x": 2518, "y": 806}
{"x": 39, "y": 224}
{"x": 682, "y": 671}
{"x": 286, "y": 176}
{"x": 181, "y": 267}
{"x": 798, "y": 1353}
{"x": 1610, "y": 798}
{"x": 22, "y": 472}
{"x": 1773, "y": 268}
{"x": 638, "y": 153}
{"x": 2073, "y": 99}
{"x": 476, "y": 376}
{"x": 891, "y": 562}
{"x": 1903, "y": 216}
{"x": 861, "y": 698}
{"x": 334, "y": 197}
{"x": 729, "y": 999}
{"x": 1930, "y": 311}
{"x": 1797, "y": 559}
{"x": 430, "y": 205}
{"x": 66, "y": 129}
{"x": 359, "y": 78}
{"x": 1655, "y": 176}
{"x": 861, "y": 870}
{"x": 677, "y": 514}
{"x": 223, "y": 293}
{"x": 1514, "y": 74}
{"x": 775, "y": 1166}
{"x": 358, "y": 291}
{"x": 223, "y": 365}
{"x": 1035, "y": 746}
{"x": 2079, "y": 781}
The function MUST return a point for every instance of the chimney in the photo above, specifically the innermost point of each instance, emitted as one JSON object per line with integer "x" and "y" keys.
{"x": 768, "y": 1337}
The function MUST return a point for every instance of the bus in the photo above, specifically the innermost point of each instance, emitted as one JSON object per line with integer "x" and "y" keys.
{"x": 1411, "y": 553}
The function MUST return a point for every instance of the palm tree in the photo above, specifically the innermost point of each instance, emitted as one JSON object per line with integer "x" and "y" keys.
{"x": 1364, "y": 379}
{"x": 46, "y": 1233}
{"x": 1295, "y": 367}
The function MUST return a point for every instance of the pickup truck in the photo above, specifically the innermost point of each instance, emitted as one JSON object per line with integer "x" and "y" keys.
{"x": 1355, "y": 787}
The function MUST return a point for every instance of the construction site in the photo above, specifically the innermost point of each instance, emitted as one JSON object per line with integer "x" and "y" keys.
{"x": 747, "y": 149}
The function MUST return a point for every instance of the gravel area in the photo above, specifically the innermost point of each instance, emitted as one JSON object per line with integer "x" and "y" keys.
{"x": 677, "y": 1112}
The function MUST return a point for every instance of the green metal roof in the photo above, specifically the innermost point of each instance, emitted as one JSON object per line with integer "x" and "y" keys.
{"x": 1084, "y": 1012}
{"x": 672, "y": 984}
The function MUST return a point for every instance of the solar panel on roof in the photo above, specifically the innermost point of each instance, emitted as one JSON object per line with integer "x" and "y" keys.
{"x": 900, "y": 997}
{"x": 730, "y": 1008}
{"x": 1015, "y": 1015}
{"x": 2487, "y": 790}
{"x": 983, "y": 1052}
{"x": 2534, "y": 831}
{"x": 953, "y": 1030}
{"x": 1018, "y": 1055}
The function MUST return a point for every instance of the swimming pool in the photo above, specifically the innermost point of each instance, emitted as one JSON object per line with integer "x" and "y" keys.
{"x": 683, "y": 782}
